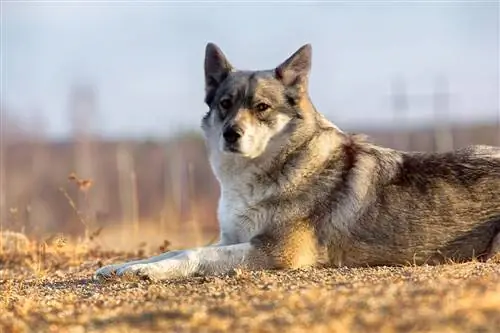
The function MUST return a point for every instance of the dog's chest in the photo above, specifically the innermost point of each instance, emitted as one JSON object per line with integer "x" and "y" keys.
{"x": 240, "y": 215}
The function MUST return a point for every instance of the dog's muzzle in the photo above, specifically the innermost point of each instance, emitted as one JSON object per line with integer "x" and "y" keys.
{"x": 232, "y": 135}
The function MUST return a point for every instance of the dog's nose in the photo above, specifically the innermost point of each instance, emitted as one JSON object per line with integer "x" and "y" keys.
{"x": 232, "y": 134}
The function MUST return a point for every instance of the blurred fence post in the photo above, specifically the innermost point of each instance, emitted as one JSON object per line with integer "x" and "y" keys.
{"x": 3, "y": 186}
{"x": 3, "y": 194}
{"x": 400, "y": 106}
{"x": 498, "y": 126}
{"x": 442, "y": 131}
{"x": 176, "y": 191}
{"x": 127, "y": 185}
{"x": 197, "y": 225}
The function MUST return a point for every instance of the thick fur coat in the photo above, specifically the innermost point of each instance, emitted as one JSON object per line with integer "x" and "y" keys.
{"x": 297, "y": 191}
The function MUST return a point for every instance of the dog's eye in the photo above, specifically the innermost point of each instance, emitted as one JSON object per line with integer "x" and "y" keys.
{"x": 225, "y": 103}
{"x": 261, "y": 107}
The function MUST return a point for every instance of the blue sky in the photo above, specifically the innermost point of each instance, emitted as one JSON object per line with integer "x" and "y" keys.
{"x": 146, "y": 58}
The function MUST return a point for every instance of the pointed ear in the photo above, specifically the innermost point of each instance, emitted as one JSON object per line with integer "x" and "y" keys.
{"x": 217, "y": 67}
{"x": 295, "y": 70}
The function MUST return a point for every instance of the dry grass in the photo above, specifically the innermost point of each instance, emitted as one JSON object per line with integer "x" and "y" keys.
{"x": 47, "y": 286}
{"x": 151, "y": 190}
{"x": 49, "y": 289}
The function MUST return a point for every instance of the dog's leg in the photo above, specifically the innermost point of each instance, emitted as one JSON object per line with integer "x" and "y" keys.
{"x": 212, "y": 260}
{"x": 110, "y": 270}
{"x": 276, "y": 248}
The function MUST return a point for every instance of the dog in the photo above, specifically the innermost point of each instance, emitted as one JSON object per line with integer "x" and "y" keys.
{"x": 296, "y": 191}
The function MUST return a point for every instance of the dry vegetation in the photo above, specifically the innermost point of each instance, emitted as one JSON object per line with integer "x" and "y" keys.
{"x": 168, "y": 184}
{"x": 49, "y": 288}
{"x": 135, "y": 195}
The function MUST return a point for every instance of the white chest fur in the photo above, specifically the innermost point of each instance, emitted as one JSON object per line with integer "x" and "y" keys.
{"x": 240, "y": 211}
{"x": 240, "y": 216}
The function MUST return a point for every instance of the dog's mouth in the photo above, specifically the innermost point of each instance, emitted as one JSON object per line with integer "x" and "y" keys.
{"x": 232, "y": 148}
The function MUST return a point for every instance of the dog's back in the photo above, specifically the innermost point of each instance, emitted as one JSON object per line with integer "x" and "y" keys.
{"x": 428, "y": 208}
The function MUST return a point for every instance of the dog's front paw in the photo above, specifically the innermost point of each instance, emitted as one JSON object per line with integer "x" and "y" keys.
{"x": 142, "y": 271}
{"x": 161, "y": 270}
{"x": 107, "y": 272}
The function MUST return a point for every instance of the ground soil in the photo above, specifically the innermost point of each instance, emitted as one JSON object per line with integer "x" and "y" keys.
{"x": 55, "y": 292}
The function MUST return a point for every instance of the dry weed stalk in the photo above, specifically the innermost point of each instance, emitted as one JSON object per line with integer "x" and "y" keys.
{"x": 83, "y": 186}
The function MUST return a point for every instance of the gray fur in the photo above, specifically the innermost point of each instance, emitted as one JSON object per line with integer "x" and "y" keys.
{"x": 416, "y": 208}
{"x": 296, "y": 190}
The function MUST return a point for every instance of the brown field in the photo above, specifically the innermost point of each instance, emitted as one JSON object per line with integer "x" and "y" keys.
{"x": 49, "y": 288}
{"x": 133, "y": 195}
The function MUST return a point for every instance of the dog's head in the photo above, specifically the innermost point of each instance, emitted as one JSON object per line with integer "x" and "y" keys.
{"x": 248, "y": 110}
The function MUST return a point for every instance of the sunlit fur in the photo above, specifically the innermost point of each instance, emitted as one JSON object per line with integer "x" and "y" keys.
{"x": 297, "y": 191}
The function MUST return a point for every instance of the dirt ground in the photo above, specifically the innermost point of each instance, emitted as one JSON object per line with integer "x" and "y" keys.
{"x": 55, "y": 292}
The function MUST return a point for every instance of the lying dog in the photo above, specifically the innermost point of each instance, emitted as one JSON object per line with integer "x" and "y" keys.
{"x": 296, "y": 190}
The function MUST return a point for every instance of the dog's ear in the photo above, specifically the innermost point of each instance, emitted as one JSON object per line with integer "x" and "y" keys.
{"x": 217, "y": 67}
{"x": 295, "y": 70}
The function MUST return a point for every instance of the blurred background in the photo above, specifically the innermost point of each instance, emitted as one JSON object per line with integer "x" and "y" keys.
{"x": 101, "y": 101}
